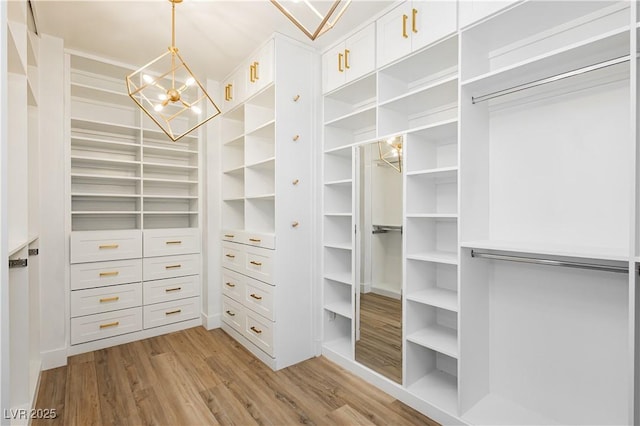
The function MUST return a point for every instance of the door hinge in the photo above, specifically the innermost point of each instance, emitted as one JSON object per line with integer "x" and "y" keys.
{"x": 34, "y": 252}
{"x": 17, "y": 263}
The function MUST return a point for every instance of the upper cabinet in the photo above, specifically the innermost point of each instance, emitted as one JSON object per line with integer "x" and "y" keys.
{"x": 350, "y": 59}
{"x": 234, "y": 90}
{"x": 413, "y": 25}
{"x": 259, "y": 70}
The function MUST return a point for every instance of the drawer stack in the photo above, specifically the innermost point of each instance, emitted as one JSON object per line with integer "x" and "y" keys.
{"x": 127, "y": 281}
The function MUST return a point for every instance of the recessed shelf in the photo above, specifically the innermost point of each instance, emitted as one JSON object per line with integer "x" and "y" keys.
{"x": 267, "y": 162}
{"x": 340, "y": 308}
{"x": 437, "y": 388}
{"x": 165, "y": 150}
{"x": 433, "y": 215}
{"x": 233, "y": 199}
{"x": 440, "y": 173}
{"x": 234, "y": 170}
{"x": 338, "y": 214}
{"x": 102, "y": 161}
{"x": 422, "y": 97}
{"x": 105, "y": 212}
{"x": 438, "y": 297}
{"x": 170, "y": 180}
{"x": 147, "y": 212}
{"x": 341, "y": 246}
{"x": 100, "y": 94}
{"x": 358, "y": 119}
{"x": 435, "y": 256}
{"x": 104, "y": 195}
{"x": 173, "y": 197}
{"x": 265, "y": 129}
{"x": 340, "y": 346}
{"x": 263, "y": 197}
{"x": 104, "y": 126}
{"x": 168, "y": 166}
{"x": 340, "y": 182}
{"x": 89, "y": 142}
{"x": 104, "y": 177}
{"x": 436, "y": 337}
{"x": 344, "y": 278}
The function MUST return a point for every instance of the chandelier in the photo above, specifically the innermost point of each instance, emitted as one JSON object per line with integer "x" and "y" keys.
{"x": 390, "y": 152}
{"x": 317, "y": 23}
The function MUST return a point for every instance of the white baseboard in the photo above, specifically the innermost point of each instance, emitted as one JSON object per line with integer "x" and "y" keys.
{"x": 54, "y": 359}
{"x": 212, "y": 321}
{"x": 386, "y": 292}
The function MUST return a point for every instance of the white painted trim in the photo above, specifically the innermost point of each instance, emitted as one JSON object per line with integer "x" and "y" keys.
{"x": 53, "y": 359}
{"x": 211, "y": 321}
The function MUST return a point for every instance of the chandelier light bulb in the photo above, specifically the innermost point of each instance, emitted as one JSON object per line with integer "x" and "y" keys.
{"x": 196, "y": 109}
{"x": 162, "y": 96}
{"x": 157, "y": 107}
{"x": 147, "y": 78}
{"x": 190, "y": 81}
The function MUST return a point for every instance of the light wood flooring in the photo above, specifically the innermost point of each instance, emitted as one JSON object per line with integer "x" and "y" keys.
{"x": 200, "y": 377}
{"x": 380, "y": 344}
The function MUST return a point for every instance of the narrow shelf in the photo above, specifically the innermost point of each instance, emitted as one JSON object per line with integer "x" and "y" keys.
{"x": 104, "y": 212}
{"x": 496, "y": 410}
{"x": 233, "y": 199}
{"x": 172, "y": 197}
{"x": 233, "y": 170}
{"x": 102, "y": 195}
{"x": 344, "y": 278}
{"x": 439, "y": 173}
{"x": 340, "y": 308}
{"x": 260, "y": 128}
{"x": 261, "y": 163}
{"x": 340, "y": 182}
{"x": 340, "y": 246}
{"x": 85, "y": 91}
{"x": 234, "y": 140}
{"x": 432, "y": 215}
{"x": 161, "y": 149}
{"x": 420, "y": 93}
{"x": 169, "y": 166}
{"x": 146, "y": 212}
{"x": 265, "y": 197}
{"x": 438, "y": 338}
{"x": 361, "y": 115}
{"x": 80, "y": 141}
{"x": 340, "y": 346}
{"x": 449, "y": 258}
{"x": 98, "y": 160}
{"x": 347, "y": 148}
{"x": 440, "y": 129}
{"x": 438, "y": 388}
{"x": 103, "y": 126}
{"x": 105, "y": 177}
{"x": 170, "y": 180}
{"x": 438, "y": 297}
{"x": 339, "y": 214}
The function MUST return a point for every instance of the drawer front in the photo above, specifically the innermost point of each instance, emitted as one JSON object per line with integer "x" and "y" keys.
{"x": 97, "y": 246}
{"x": 100, "y": 274}
{"x": 233, "y": 284}
{"x": 159, "y": 291}
{"x": 258, "y": 297}
{"x": 232, "y": 256}
{"x": 167, "y": 242}
{"x": 158, "y": 268}
{"x": 105, "y": 299}
{"x": 170, "y": 312}
{"x": 101, "y": 326}
{"x": 233, "y": 235}
{"x": 259, "y": 240}
{"x": 258, "y": 264}
{"x": 233, "y": 314}
{"x": 259, "y": 331}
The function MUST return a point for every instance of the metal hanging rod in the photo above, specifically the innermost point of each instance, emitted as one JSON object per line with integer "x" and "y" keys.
{"x": 383, "y": 229}
{"x": 549, "y": 262}
{"x": 557, "y": 77}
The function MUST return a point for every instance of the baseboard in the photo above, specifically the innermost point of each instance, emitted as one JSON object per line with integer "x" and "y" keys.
{"x": 211, "y": 321}
{"x": 54, "y": 359}
{"x": 387, "y": 293}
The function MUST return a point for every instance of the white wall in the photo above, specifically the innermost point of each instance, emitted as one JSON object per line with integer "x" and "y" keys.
{"x": 4, "y": 275}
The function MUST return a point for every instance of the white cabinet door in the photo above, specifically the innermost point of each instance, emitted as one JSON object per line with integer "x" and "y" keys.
{"x": 394, "y": 34}
{"x": 430, "y": 21}
{"x": 259, "y": 70}
{"x": 333, "y": 74}
{"x": 360, "y": 53}
{"x": 233, "y": 90}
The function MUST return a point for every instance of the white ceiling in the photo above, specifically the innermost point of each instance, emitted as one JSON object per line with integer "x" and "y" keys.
{"x": 213, "y": 36}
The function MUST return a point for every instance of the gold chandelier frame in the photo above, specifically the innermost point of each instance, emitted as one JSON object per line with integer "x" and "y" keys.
{"x": 325, "y": 23}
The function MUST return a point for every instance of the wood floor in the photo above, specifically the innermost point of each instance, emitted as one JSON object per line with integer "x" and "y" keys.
{"x": 200, "y": 377}
{"x": 380, "y": 344}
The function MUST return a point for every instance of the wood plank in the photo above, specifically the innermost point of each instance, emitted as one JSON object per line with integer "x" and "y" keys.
{"x": 347, "y": 416}
{"x": 51, "y": 396}
{"x": 226, "y": 408}
{"x": 82, "y": 404}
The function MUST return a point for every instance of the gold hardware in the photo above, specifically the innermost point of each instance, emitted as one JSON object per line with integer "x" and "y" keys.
{"x": 255, "y": 330}
{"x": 340, "y": 58}
{"x": 230, "y": 91}
{"x": 296, "y": 98}
{"x": 109, "y": 274}
{"x": 169, "y": 290}
{"x": 229, "y": 236}
{"x": 253, "y": 262}
{"x": 404, "y": 26}
{"x": 255, "y": 296}
{"x": 111, "y": 324}
{"x": 172, "y": 266}
{"x": 296, "y": 181}
{"x": 414, "y": 28}
{"x": 110, "y": 299}
{"x": 177, "y": 311}
{"x": 296, "y": 137}
{"x": 346, "y": 58}
{"x": 256, "y": 69}
{"x": 229, "y": 284}
{"x": 228, "y": 94}
{"x": 295, "y": 224}
{"x": 255, "y": 240}
{"x": 231, "y": 314}
{"x": 251, "y": 78}
{"x": 173, "y": 242}
{"x": 325, "y": 21}
{"x": 108, "y": 246}
{"x": 230, "y": 256}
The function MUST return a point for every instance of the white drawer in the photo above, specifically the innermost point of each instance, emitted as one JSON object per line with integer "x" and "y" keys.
{"x": 101, "y": 326}
{"x": 233, "y": 314}
{"x": 170, "y": 312}
{"x": 259, "y": 240}
{"x": 232, "y": 256}
{"x": 233, "y": 284}
{"x": 158, "y": 268}
{"x": 166, "y": 242}
{"x": 100, "y": 274}
{"x": 233, "y": 235}
{"x": 96, "y": 246}
{"x": 258, "y": 297}
{"x": 258, "y": 263}
{"x": 259, "y": 331}
{"x": 105, "y": 299}
{"x": 159, "y": 291}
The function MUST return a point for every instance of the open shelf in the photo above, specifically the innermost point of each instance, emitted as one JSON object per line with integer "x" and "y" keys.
{"x": 449, "y": 258}
{"x": 356, "y": 96}
{"x": 494, "y": 409}
{"x": 344, "y": 278}
{"x": 433, "y": 147}
{"x": 437, "y": 388}
{"x": 438, "y": 297}
{"x": 438, "y": 338}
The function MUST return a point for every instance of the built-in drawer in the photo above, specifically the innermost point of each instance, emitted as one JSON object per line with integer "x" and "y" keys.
{"x": 97, "y": 246}
{"x": 259, "y": 331}
{"x": 157, "y": 268}
{"x": 259, "y": 240}
{"x": 233, "y": 235}
{"x": 233, "y": 284}
{"x": 258, "y": 297}
{"x": 170, "y": 312}
{"x": 166, "y": 242}
{"x": 258, "y": 263}
{"x": 232, "y": 256}
{"x": 100, "y": 326}
{"x": 105, "y": 299}
{"x": 233, "y": 314}
{"x": 100, "y": 274}
{"x": 159, "y": 291}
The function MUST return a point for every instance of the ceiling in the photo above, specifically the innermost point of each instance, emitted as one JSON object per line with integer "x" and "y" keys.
{"x": 213, "y": 36}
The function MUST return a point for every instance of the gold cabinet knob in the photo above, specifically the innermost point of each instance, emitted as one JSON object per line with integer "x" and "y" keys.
{"x": 296, "y": 137}
{"x": 295, "y": 224}
{"x": 296, "y": 181}
{"x": 296, "y": 98}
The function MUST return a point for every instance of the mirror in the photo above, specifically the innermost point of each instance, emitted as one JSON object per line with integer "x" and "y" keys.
{"x": 379, "y": 258}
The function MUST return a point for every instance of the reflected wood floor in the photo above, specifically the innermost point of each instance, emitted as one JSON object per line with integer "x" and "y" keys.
{"x": 200, "y": 377}
{"x": 380, "y": 344}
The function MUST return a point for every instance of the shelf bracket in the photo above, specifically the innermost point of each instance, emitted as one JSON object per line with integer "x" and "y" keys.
{"x": 34, "y": 252}
{"x": 17, "y": 263}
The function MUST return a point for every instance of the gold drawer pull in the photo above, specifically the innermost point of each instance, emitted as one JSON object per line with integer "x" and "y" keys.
{"x": 110, "y": 299}
{"x": 173, "y": 242}
{"x": 230, "y": 285}
{"x": 295, "y": 224}
{"x": 296, "y": 98}
{"x": 253, "y": 262}
{"x": 256, "y": 70}
{"x": 109, "y": 274}
{"x": 173, "y": 266}
{"x": 230, "y": 256}
{"x": 255, "y": 296}
{"x": 404, "y": 26}
{"x": 346, "y": 59}
{"x": 255, "y": 240}
{"x": 177, "y": 311}
{"x": 108, "y": 246}
{"x": 296, "y": 137}
{"x": 231, "y": 314}
{"x": 296, "y": 181}
{"x": 414, "y": 27}
{"x": 229, "y": 236}
{"x": 255, "y": 330}
{"x": 169, "y": 290}
{"x": 111, "y": 324}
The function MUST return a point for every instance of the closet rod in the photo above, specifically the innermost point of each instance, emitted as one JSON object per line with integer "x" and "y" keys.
{"x": 549, "y": 262}
{"x": 557, "y": 77}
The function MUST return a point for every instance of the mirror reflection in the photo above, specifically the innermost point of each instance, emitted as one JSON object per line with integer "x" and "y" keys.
{"x": 379, "y": 299}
